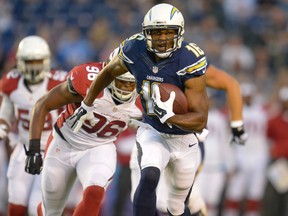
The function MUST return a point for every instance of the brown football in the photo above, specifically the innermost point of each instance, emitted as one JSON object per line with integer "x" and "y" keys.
{"x": 180, "y": 105}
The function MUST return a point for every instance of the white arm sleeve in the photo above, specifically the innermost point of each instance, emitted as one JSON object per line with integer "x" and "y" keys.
{"x": 7, "y": 110}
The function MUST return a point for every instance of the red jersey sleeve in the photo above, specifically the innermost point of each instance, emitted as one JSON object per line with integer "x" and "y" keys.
{"x": 81, "y": 76}
{"x": 10, "y": 82}
{"x": 57, "y": 77}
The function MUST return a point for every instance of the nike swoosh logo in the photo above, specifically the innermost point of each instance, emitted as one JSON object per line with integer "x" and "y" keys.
{"x": 190, "y": 145}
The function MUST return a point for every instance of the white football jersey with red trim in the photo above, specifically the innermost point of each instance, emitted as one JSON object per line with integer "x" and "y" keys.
{"x": 112, "y": 119}
{"x": 23, "y": 99}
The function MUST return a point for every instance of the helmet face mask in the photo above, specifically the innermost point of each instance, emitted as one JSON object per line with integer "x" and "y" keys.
{"x": 33, "y": 59}
{"x": 33, "y": 70}
{"x": 123, "y": 88}
{"x": 162, "y": 41}
{"x": 163, "y": 17}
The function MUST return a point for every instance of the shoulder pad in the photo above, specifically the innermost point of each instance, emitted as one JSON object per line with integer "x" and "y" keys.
{"x": 10, "y": 81}
{"x": 81, "y": 76}
{"x": 192, "y": 59}
{"x": 130, "y": 45}
{"x": 57, "y": 77}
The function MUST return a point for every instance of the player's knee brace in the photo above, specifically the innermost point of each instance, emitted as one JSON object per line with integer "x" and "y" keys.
{"x": 150, "y": 178}
{"x": 148, "y": 182}
{"x": 145, "y": 196}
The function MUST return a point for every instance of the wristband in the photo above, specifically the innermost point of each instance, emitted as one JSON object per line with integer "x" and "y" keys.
{"x": 235, "y": 124}
{"x": 87, "y": 108}
{"x": 34, "y": 145}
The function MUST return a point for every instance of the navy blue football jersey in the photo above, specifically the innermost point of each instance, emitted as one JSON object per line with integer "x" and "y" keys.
{"x": 185, "y": 63}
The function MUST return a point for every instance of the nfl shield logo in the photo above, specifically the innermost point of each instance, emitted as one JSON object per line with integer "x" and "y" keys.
{"x": 155, "y": 69}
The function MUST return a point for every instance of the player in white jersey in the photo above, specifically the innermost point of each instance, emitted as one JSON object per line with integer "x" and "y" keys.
{"x": 248, "y": 183}
{"x": 21, "y": 88}
{"x": 90, "y": 154}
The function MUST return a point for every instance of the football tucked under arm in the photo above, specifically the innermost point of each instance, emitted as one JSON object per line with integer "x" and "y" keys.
{"x": 180, "y": 103}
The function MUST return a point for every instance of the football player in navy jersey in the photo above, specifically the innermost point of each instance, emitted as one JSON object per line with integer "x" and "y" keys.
{"x": 165, "y": 140}
{"x": 216, "y": 79}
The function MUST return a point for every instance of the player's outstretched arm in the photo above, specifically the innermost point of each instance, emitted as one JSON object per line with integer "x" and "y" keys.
{"x": 54, "y": 99}
{"x": 219, "y": 79}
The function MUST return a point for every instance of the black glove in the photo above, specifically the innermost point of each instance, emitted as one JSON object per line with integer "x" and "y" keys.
{"x": 34, "y": 161}
{"x": 239, "y": 134}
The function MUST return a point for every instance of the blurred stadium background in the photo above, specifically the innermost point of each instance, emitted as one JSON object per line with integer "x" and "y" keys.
{"x": 247, "y": 38}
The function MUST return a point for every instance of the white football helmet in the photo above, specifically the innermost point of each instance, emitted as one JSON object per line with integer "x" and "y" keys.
{"x": 33, "y": 48}
{"x": 122, "y": 95}
{"x": 163, "y": 16}
{"x": 117, "y": 93}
